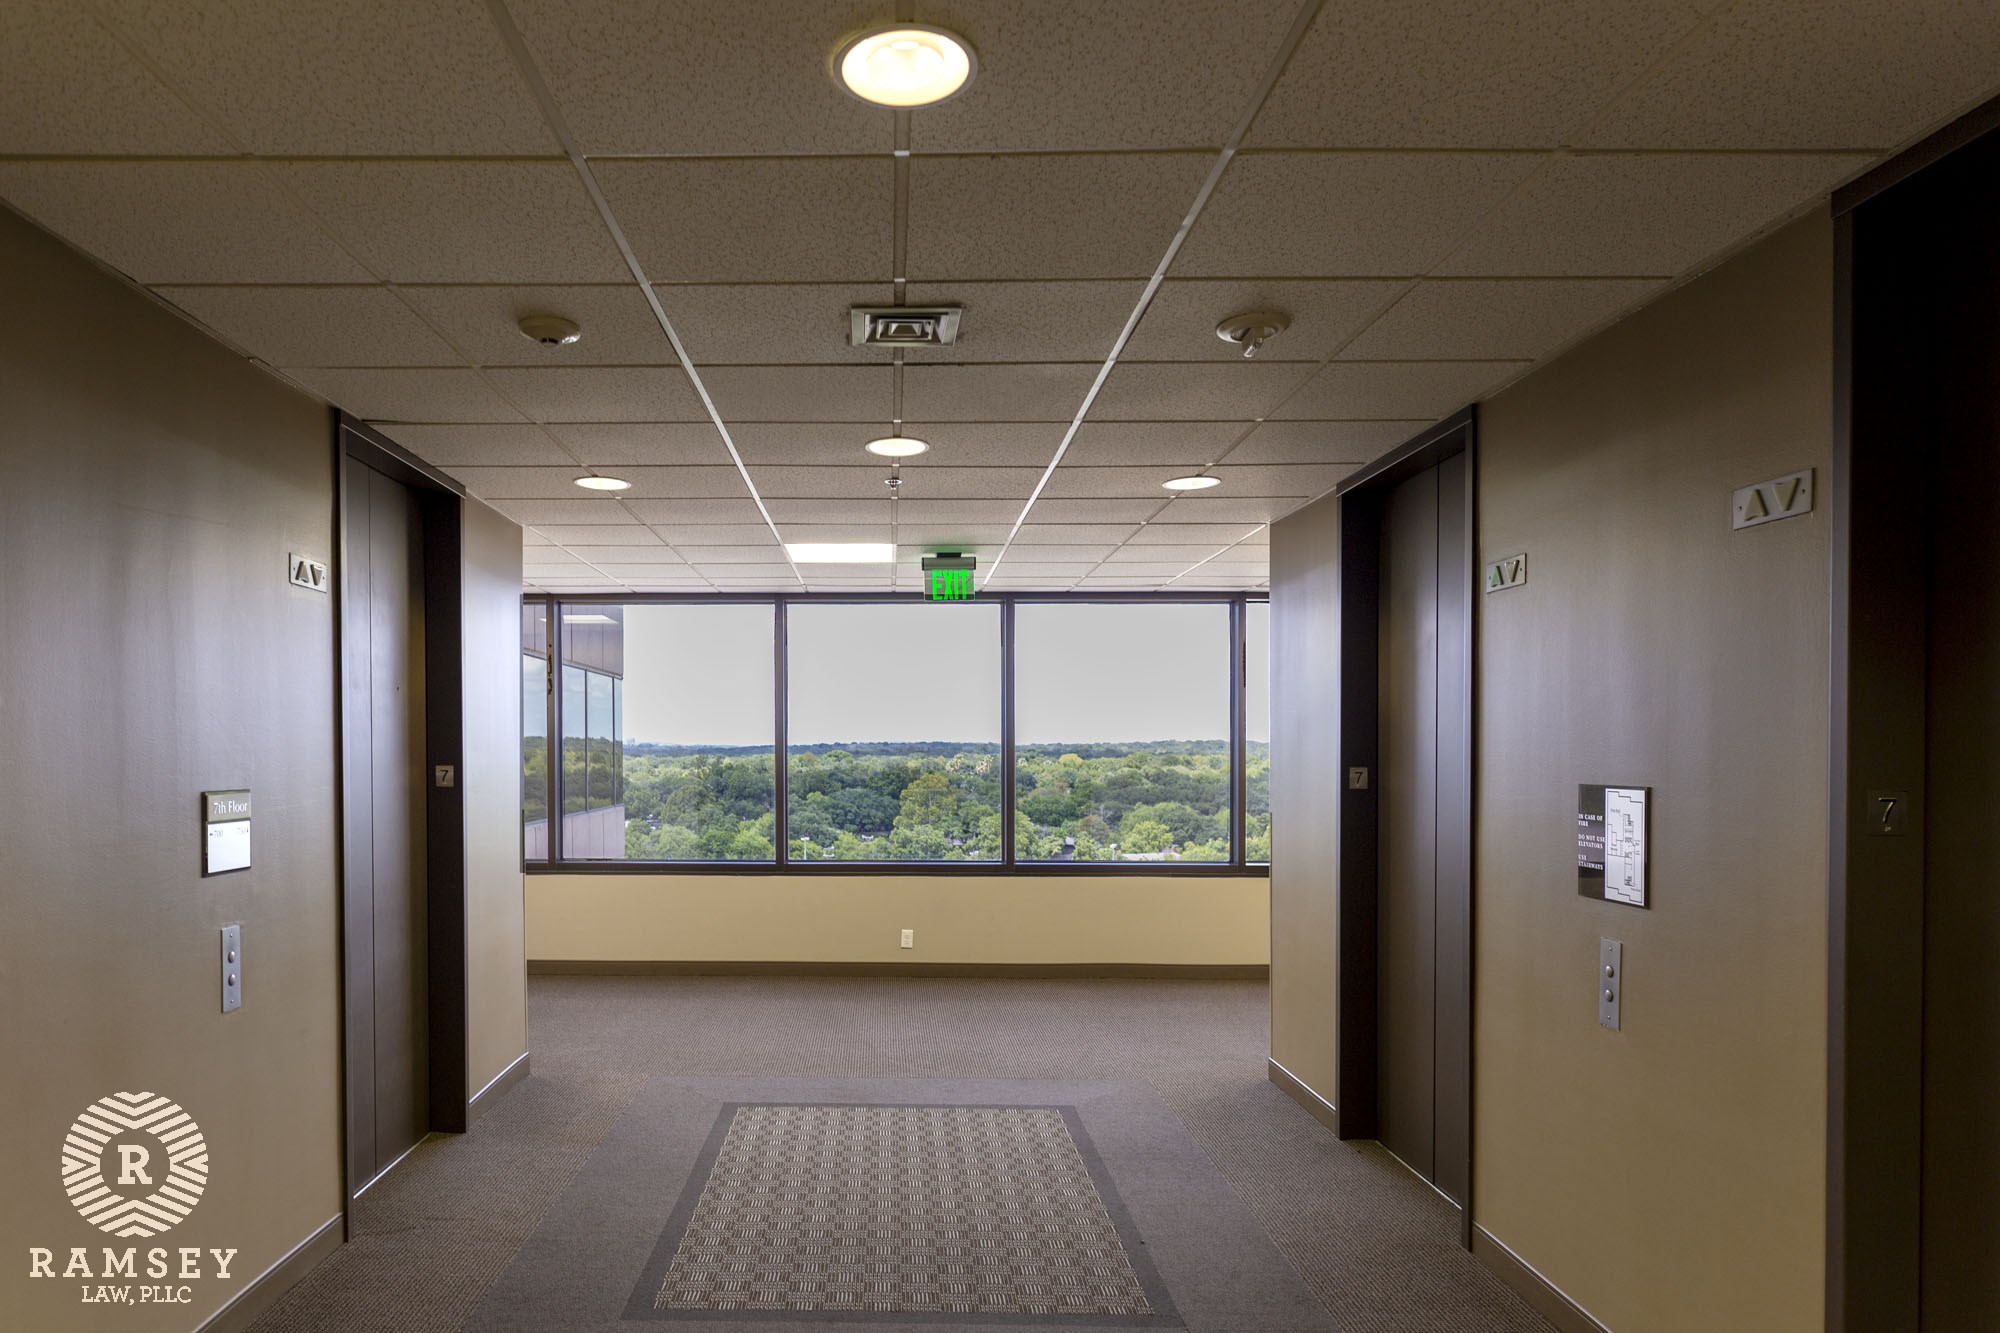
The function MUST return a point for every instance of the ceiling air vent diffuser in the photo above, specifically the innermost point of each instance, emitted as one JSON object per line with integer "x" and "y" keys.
{"x": 903, "y": 325}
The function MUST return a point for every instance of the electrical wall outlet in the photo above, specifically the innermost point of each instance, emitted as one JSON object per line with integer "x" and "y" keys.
{"x": 909, "y": 939}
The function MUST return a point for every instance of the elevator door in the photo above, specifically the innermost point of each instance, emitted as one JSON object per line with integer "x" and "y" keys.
{"x": 384, "y": 893}
{"x": 1423, "y": 873}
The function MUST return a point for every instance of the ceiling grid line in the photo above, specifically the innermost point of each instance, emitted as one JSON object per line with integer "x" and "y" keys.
{"x": 524, "y": 61}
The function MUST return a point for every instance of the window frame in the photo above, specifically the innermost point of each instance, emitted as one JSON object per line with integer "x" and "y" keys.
{"x": 781, "y": 863}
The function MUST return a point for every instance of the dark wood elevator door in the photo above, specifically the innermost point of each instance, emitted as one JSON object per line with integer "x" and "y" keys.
{"x": 384, "y": 911}
{"x": 1423, "y": 873}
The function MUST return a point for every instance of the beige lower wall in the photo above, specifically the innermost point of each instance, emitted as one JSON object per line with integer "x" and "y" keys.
{"x": 856, "y": 918}
{"x": 1669, "y": 1176}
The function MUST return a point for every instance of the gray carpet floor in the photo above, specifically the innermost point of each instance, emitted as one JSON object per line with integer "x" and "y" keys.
{"x": 1374, "y": 1243}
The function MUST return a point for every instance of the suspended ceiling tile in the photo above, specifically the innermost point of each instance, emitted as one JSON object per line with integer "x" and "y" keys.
{"x": 650, "y": 576}
{"x": 1464, "y": 73}
{"x": 719, "y": 220}
{"x": 449, "y": 222}
{"x": 1158, "y": 554}
{"x": 519, "y": 483}
{"x": 865, "y": 482}
{"x": 1245, "y": 554}
{"x": 967, "y": 444}
{"x": 1093, "y": 511}
{"x": 344, "y": 77}
{"x": 1403, "y": 390}
{"x": 801, "y": 393}
{"x": 1228, "y": 509}
{"x": 1212, "y": 534}
{"x": 1047, "y": 218}
{"x": 485, "y": 323}
{"x": 1042, "y": 569}
{"x": 1236, "y": 391}
{"x": 586, "y": 512}
{"x": 408, "y": 395}
{"x": 1165, "y": 443}
{"x": 316, "y": 326}
{"x": 747, "y": 77}
{"x": 1142, "y": 570}
{"x": 1180, "y": 323}
{"x": 1042, "y": 533}
{"x": 1323, "y": 441}
{"x": 1833, "y": 74}
{"x": 601, "y": 393}
{"x": 996, "y": 392}
{"x": 754, "y": 555}
{"x": 1028, "y": 321}
{"x": 1470, "y": 319}
{"x": 499, "y": 445}
{"x": 176, "y": 222}
{"x": 787, "y": 512}
{"x": 755, "y": 324}
{"x": 719, "y": 482}
{"x": 626, "y": 555}
{"x": 1124, "y": 483}
{"x": 717, "y": 534}
{"x": 1113, "y": 74}
{"x": 922, "y": 511}
{"x": 1346, "y": 214}
{"x": 837, "y": 532}
{"x": 741, "y": 573}
{"x": 960, "y": 536}
{"x": 1060, "y": 553}
{"x": 1645, "y": 213}
{"x": 596, "y": 534}
{"x": 671, "y": 513}
{"x": 615, "y": 443}
{"x": 1279, "y": 478}
{"x": 73, "y": 88}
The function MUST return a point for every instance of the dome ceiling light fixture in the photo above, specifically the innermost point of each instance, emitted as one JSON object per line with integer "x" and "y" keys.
{"x": 896, "y": 446}
{"x": 1252, "y": 329}
{"x": 1191, "y": 483}
{"x": 549, "y": 330}
{"x": 903, "y": 65}
{"x": 604, "y": 483}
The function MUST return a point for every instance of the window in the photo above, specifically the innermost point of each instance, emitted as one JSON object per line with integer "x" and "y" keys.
{"x": 1122, "y": 725}
{"x": 696, "y": 707}
{"x": 892, "y": 744}
{"x": 1035, "y": 730}
{"x": 1257, "y": 733}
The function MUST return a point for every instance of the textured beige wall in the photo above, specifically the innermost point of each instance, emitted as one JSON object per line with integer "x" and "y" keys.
{"x": 1670, "y": 1176}
{"x": 1305, "y": 786}
{"x": 856, "y": 918}
{"x": 151, "y": 648}
{"x": 496, "y": 1029}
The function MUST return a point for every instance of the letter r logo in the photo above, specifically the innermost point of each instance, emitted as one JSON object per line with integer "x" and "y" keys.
{"x": 132, "y": 1160}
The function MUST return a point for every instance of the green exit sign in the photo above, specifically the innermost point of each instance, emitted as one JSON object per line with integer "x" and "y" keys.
{"x": 948, "y": 577}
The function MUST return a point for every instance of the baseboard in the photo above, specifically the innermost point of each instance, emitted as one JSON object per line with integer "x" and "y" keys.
{"x": 263, "y": 1292}
{"x": 1295, "y": 1087}
{"x": 547, "y": 967}
{"x": 499, "y": 1086}
{"x": 1549, "y": 1300}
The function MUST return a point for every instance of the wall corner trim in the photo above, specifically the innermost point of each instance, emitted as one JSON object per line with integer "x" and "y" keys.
{"x": 1296, "y": 1088}
{"x": 499, "y": 1086}
{"x": 264, "y": 1291}
{"x": 1548, "y": 1300}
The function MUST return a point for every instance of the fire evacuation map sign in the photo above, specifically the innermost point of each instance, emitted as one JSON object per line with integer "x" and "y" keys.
{"x": 1611, "y": 835}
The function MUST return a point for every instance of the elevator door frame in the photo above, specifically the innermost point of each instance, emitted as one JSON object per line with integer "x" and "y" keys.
{"x": 440, "y": 502}
{"x": 1357, "y": 837}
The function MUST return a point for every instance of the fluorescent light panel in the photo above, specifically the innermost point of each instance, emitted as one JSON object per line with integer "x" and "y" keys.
{"x": 841, "y": 553}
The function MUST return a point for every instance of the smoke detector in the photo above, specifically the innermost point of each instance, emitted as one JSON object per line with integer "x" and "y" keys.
{"x": 550, "y": 330}
{"x": 1252, "y": 330}
{"x": 903, "y": 325}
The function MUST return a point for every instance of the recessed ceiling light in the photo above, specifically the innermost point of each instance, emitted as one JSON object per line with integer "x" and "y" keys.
{"x": 1191, "y": 483}
{"x": 904, "y": 65}
{"x": 604, "y": 483}
{"x": 841, "y": 553}
{"x": 896, "y": 447}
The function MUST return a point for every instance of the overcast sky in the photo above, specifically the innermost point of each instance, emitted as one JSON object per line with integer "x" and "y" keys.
{"x": 702, "y": 675}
